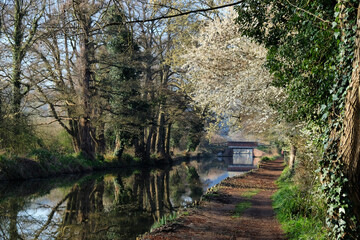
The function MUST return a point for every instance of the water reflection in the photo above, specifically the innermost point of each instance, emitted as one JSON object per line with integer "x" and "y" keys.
{"x": 118, "y": 205}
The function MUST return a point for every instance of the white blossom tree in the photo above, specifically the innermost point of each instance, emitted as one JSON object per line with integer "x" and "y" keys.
{"x": 225, "y": 73}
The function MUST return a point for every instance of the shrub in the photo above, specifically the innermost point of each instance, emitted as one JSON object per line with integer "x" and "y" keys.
{"x": 301, "y": 213}
{"x": 165, "y": 220}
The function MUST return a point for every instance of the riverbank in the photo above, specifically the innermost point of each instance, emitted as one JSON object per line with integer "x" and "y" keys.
{"x": 237, "y": 208}
{"x": 45, "y": 164}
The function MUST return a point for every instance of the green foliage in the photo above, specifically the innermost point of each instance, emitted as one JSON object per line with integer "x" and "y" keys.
{"x": 301, "y": 214}
{"x": 8, "y": 164}
{"x": 42, "y": 156}
{"x": 17, "y": 136}
{"x": 165, "y": 220}
{"x": 43, "y": 163}
{"x": 187, "y": 130}
{"x": 268, "y": 159}
{"x": 285, "y": 177}
{"x": 301, "y": 51}
{"x": 60, "y": 142}
{"x": 264, "y": 148}
{"x": 311, "y": 51}
{"x": 304, "y": 228}
{"x": 126, "y": 160}
{"x": 53, "y": 162}
{"x": 241, "y": 207}
{"x": 341, "y": 217}
{"x": 119, "y": 81}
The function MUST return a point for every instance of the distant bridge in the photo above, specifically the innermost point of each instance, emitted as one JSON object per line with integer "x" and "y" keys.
{"x": 242, "y": 154}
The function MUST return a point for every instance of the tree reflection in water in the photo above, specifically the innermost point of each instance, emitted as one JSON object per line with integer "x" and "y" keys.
{"x": 9, "y": 218}
{"x": 108, "y": 207}
{"x": 136, "y": 205}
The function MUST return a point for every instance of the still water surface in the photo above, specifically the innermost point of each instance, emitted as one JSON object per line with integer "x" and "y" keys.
{"x": 117, "y": 205}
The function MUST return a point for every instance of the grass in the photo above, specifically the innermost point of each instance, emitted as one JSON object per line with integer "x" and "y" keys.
{"x": 169, "y": 218}
{"x": 249, "y": 194}
{"x": 165, "y": 220}
{"x": 241, "y": 207}
{"x": 300, "y": 214}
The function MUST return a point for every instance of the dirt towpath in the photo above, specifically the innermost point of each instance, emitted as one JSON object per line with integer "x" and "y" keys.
{"x": 216, "y": 216}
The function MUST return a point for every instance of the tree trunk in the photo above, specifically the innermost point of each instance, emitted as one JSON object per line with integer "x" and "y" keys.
{"x": 17, "y": 96}
{"x": 13, "y": 217}
{"x": 87, "y": 145}
{"x": 119, "y": 147}
{"x": 153, "y": 141}
{"x": 148, "y": 187}
{"x": 168, "y": 137}
{"x": 75, "y": 136}
{"x": 140, "y": 145}
{"x": 350, "y": 139}
{"x": 292, "y": 156}
{"x": 149, "y": 141}
{"x": 167, "y": 191}
{"x": 100, "y": 142}
{"x": 18, "y": 36}
{"x": 161, "y": 136}
{"x": 159, "y": 194}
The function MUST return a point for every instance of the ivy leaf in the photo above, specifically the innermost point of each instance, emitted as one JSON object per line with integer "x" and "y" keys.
{"x": 322, "y": 108}
{"x": 324, "y": 116}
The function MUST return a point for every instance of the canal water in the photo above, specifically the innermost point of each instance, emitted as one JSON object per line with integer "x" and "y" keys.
{"x": 113, "y": 205}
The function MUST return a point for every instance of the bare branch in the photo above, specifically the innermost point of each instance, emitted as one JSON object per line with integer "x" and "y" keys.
{"x": 175, "y": 15}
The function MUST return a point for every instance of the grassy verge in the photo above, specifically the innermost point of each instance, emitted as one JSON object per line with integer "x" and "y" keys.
{"x": 301, "y": 214}
{"x": 41, "y": 163}
{"x": 166, "y": 219}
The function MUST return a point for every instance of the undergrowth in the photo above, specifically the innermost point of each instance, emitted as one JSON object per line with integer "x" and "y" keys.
{"x": 300, "y": 213}
{"x": 45, "y": 163}
{"x": 169, "y": 218}
{"x": 164, "y": 220}
{"x": 268, "y": 159}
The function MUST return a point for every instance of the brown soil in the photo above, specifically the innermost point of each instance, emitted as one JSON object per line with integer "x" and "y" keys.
{"x": 214, "y": 217}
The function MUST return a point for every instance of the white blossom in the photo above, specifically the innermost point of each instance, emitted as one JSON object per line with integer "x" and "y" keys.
{"x": 226, "y": 72}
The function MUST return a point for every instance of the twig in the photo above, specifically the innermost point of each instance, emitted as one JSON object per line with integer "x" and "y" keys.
{"x": 175, "y": 15}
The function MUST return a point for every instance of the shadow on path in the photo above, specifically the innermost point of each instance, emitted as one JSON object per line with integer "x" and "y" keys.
{"x": 215, "y": 218}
